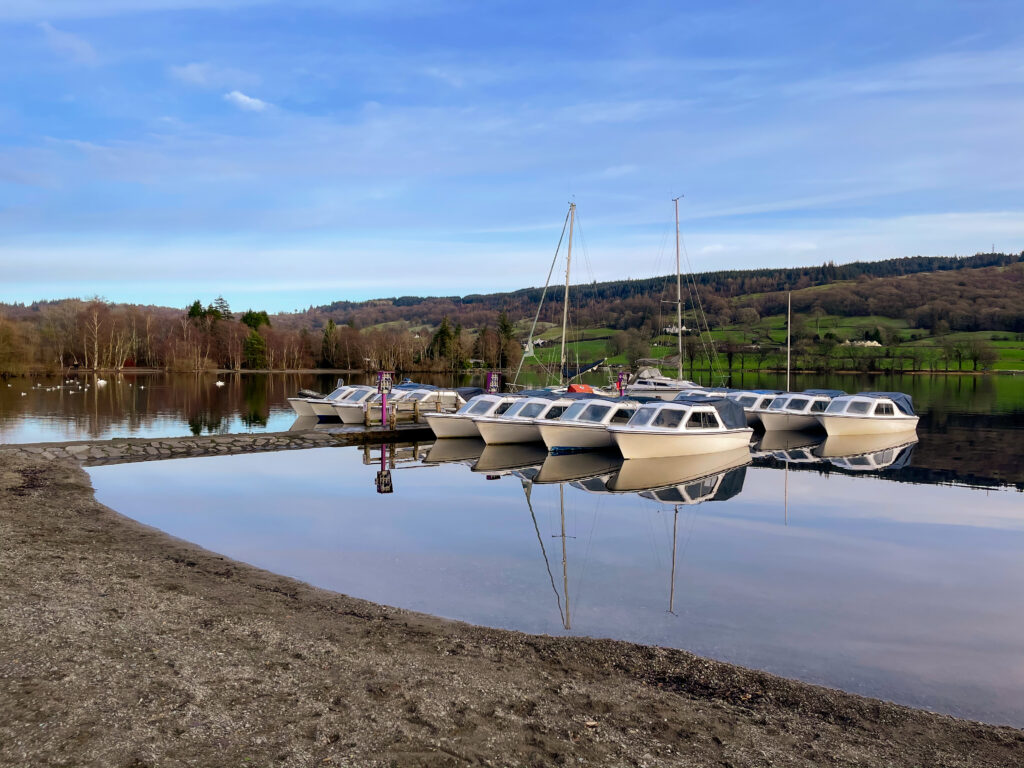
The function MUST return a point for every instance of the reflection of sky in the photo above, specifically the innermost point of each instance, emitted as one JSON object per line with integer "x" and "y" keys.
{"x": 894, "y": 590}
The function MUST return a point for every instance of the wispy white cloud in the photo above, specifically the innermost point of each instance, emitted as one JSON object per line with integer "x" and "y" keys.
{"x": 248, "y": 103}
{"x": 68, "y": 45}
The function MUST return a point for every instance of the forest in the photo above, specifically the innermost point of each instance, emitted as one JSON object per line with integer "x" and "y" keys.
{"x": 932, "y": 296}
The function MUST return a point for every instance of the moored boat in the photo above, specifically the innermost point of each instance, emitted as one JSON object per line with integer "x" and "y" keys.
{"x": 324, "y": 409}
{"x": 585, "y": 424}
{"x": 796, "y": 410}
{"x": 869, "y": 413}
{"x": 461, "y": 424}
{"x": 303, "y": 405}
{"x": 682, "y": 428}
{"x": 753, "y": 401}
{"x": 519, "y": 424}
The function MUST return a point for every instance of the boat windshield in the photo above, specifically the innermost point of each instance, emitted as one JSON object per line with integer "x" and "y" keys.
{"x": 778, "y": 403}
{"x": 642, "y": 417}
{"x": 669, "y": 418}
{"x": 798, "y": 403}
{"x": 819, "y": 406}
{"x": 479, "y": 408}
{"x": 746, "y": 400}
{"x": 594, "y": 413}
{"x": 418, "y": 395}
{"x": 859, "y": 407}
{"x": 555, "y": 411}
{"x": 531, "y": 410}
{"x": 837, "y": 406}
{"x": 573, "y": 411}
{"x": 514, "y": 410}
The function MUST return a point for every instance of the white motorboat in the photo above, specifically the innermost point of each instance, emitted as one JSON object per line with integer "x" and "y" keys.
{"x": 324, "y": 409}
{"x": 353, "y": 410}
{"x": 303, "y": 405}
{"x": 682, "y": 428}
{"x": 519, "y": 424}
{"x": 585, "y": 423}
{"x": 794, "y": 411}
{"x": 650, "y": 382}
{"x": 461, "y": 424}
{"x": 753, "y": 401}
{"x": 435, "y": 399}
{"x": 869, "y": 413}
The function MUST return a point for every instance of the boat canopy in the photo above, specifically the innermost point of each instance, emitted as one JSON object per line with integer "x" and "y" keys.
{"x": 826, "y": 392}
{"x": 731, "y": 412}
{"x": 903, "y": 401}
{"x": 573, "y": 372}
{"x": 467, "y": 393}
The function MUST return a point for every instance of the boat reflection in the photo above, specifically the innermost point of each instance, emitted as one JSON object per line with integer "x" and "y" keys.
{"x": 675, "y": 472}
{"x": 863, "y": 453}
{"x": 788, "y": 446}
{"x": 578, "y": 467}
{"x": 455, "y": 450}
{"x": 502, "y": 459}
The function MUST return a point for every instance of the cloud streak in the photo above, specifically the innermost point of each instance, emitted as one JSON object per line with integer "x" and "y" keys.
{"x": 247, "y": 103}
{"x": 69, "y": 46}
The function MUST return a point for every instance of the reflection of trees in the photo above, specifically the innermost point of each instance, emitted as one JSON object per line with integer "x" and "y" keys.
{"x": 254, "y": 393}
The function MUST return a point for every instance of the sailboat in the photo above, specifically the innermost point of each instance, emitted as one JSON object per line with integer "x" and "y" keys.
{"x": 565, "y": 374}
{"x": 650, "y": 382}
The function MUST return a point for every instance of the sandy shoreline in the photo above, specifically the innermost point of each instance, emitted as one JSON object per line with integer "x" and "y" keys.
{"x": 121, "y": 646}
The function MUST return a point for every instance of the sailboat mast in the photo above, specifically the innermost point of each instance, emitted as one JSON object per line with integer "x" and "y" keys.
{"x": 789, "y": 323}
{"x": 565, "y": 562}
{"x": 679, "y": 294}
{"x": 565, "y": 307}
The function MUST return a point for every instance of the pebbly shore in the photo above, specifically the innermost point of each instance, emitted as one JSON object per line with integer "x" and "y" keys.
{"x": 122, "y": 646}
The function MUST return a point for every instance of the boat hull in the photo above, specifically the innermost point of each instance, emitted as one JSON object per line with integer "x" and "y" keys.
{"x": 792, "y": 422}
{"x": 575, "y": 437}
{"x": 841, "y": 424}
{"x": 452, "y": 425}
{"x": 507, "y": 431}
{"x": 301, "y": 406}
{"x": 634, "y": 444}
{"x": 352, "y": 414}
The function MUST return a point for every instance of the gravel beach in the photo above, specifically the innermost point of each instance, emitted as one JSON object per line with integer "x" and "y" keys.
{"x": 122, "y": 646}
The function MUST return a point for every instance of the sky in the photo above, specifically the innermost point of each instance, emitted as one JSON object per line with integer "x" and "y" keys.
{"x": 289, "y": 154}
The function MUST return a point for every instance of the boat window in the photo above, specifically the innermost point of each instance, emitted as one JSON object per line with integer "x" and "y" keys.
{"x": 479, "y": 407}
{"x": 702, "y": 420}
{"x": 766, "y": 402}
{"x": 885, "y": 457}
{"x": 778, "y": 403}
{"x": 339, "y": 394}
{"x": 503, "y": 407}
{"x": 797, "y": 404}
{"x": 361, "y": 396}
{"x": 622, "y": 415}
{"x": 573, "y": 411}
{"x": 819, "y": 406}
{"x": 531, "y": 410}
{"x": 643, "y": 382}
{"x": 594, "y": 413}
{"x": 701, "y": 488}
{"x": 669, "y": 418}
{"x": 555, "y": 411}
{"x": 375, "y": 397}
{"x": 661, "y": 384}
{"x": 418, "y": 395}
{"x": 884, "y": 409}
{"x": 642, "y": 417}
{"x": 860, "y": 461}
{"x": 746, "y": 401}
{"x": 468, "y": 406}
{"x": 513, "y": 410}
{"x": 837, "y": 406}
{"x": 859, "y": 407}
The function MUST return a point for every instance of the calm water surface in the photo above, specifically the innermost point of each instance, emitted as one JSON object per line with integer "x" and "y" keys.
{"x": 892, "y": 571}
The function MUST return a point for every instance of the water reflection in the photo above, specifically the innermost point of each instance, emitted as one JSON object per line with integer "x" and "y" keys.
{"x": 908, "y": 592}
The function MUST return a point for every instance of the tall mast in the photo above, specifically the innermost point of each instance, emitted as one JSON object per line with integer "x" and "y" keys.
{"x": 565, "y": 307}
{"x": 679, "y": 294}
{"x": 789, "y": 323}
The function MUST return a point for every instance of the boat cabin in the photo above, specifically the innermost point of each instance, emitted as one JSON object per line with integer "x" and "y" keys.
{"x": 695, "y": 414}
{"x": 872, "y": 404}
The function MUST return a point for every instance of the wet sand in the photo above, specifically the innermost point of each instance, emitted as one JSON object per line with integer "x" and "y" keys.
{"x": 122, "y": 646}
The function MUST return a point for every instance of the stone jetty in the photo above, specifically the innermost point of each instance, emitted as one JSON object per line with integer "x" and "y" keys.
{"x": 92, "y": 453}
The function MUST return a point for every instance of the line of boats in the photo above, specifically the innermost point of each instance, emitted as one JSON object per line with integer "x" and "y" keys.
{"x": 682, "y": 421}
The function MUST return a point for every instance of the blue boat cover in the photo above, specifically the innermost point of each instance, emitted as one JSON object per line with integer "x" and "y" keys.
{"x": 731, "y": 412}
{"x": 902, "y": 400}
{"x": 469, "y": 392}
{"x": 827, "y": 392}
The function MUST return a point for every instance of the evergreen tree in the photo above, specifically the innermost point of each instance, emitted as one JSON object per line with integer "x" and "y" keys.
{"x": 221, "y": 308}
{"x": 255, "y": 351}
{"x": 255, "y": 319}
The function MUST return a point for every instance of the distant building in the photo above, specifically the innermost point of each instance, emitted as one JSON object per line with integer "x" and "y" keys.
{"x": 673, "y": 330}
{"x": 849, "y": 343}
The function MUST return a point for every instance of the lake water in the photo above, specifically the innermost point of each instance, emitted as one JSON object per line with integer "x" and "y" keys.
{"x": 893, "y": 571}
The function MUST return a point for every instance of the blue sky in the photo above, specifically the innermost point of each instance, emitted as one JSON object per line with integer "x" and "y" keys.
{"x": 288, "y": 154}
